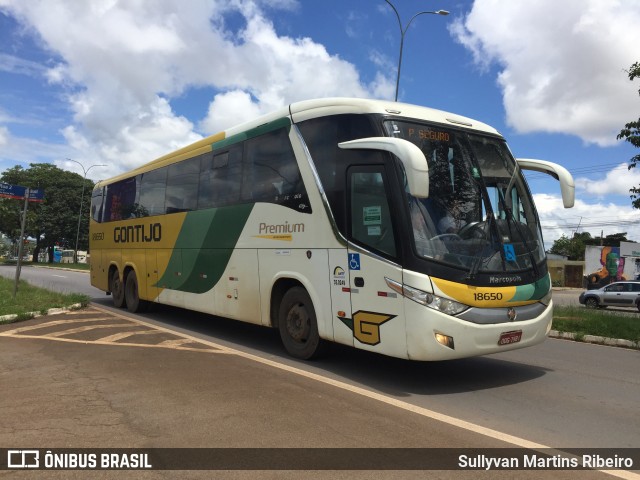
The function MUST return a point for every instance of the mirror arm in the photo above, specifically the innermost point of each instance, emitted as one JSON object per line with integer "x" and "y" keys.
{"x": 567, "y": 185}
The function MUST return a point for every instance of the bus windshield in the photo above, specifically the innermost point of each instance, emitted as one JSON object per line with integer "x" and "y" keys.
{"x": 479, "y": 215}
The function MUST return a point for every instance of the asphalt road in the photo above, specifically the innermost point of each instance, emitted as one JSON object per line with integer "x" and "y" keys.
{"x": 559, "y": 394}
{"x": 59, "y": 280}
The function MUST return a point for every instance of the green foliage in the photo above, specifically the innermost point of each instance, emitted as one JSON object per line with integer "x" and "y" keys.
{"x": 574, "y": 248}
{"x": 601, "y": 323}
{"x": 631, "y": 133}
{"x": 55, "y": 220}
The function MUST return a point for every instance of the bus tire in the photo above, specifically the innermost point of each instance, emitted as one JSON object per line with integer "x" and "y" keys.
{"x": 117, "y": 289}
{"x": 131, "y": 294}
{"x": 298, "y": 325}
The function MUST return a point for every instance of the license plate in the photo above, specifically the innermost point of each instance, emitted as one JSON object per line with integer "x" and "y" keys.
{"x": 507, "y": 338}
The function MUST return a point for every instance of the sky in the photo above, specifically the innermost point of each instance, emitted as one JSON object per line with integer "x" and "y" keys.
{"x": 121, "y": 82}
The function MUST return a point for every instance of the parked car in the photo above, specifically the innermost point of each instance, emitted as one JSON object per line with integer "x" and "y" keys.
{"x": 618, "y": 294}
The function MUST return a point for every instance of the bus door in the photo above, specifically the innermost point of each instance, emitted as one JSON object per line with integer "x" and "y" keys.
{"x": 377, "y": 313}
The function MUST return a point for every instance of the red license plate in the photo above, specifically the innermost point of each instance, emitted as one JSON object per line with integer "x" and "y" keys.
{"x": 507, "y": 338}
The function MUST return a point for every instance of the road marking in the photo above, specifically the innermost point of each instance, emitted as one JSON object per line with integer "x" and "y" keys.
{"x": 122, "y": 335}
{"x": 424, "y": 412}
{"x": 177, "y": 342}
{"x": 50, "y": 324}
{"x": 86, "y": 328}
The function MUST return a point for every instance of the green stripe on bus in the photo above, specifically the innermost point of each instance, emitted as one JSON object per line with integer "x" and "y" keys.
{"x": 532, "y": 291}
{"x": 204, "y": 247}
{"x": 283, "y": 122}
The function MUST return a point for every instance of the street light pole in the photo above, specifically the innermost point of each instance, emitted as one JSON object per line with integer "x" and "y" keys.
{"x": 403, "y": 31}
{"x": 85, "y": 171}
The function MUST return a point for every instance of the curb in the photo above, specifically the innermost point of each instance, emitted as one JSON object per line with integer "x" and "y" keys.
{"x": 51, "y": 311}
{"x": 612, "y": 342}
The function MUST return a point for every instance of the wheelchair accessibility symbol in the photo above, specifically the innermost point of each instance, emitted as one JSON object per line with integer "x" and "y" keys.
{"x": 354, "y": 261}
{"x": 509, "y": 253}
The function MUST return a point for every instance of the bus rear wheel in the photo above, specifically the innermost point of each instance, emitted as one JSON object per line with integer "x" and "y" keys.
{"x": 117, "y": 289}
{"x": 298, "y": 325}
{"x": 131, "y": 295}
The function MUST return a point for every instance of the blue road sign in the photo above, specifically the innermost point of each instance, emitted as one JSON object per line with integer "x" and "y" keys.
{"x": 17, "y": 192}
{"x": 11, "y": 191}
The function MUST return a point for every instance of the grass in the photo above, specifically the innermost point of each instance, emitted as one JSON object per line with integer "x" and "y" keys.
{"x": 33, "y": 299}
{"x": 602, "y": 323}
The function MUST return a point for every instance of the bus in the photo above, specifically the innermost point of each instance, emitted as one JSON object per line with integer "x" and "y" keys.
{"x": 389, "y": 227}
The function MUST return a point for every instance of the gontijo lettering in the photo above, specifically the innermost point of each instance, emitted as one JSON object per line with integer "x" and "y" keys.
{"x": 138, "y": 233}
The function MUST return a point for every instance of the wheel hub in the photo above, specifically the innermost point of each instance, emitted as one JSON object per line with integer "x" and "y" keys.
{"x": 298, "y": 323}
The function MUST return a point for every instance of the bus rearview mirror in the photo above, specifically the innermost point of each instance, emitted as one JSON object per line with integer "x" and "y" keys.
{"x": 567, "y": 186}
{"x": 412, "y": 158}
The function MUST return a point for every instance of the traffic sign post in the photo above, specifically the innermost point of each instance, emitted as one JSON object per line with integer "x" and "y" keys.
{"x": 20, "y": 246}
{"x": 18, "y": 192}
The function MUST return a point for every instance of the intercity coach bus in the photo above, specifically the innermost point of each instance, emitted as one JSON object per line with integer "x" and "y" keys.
{"x": 389, "y": 227}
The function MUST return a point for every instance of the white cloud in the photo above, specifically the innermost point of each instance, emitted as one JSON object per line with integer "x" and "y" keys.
{"x": 122, "y": 62}
{"x": 23, "y": 150}
{"x": 617, "y": 182}
{"x": 279, "y": 70}
{"x": 585, "y": 216}
{"x": 562, "y": 63}
{"x": 228, "y": 109}
{"x": 4, "y": 136}
{"x": 13, "y": 64}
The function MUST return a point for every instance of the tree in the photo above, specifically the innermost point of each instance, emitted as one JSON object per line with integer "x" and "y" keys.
{"x": 55, "y": 220}
{"x": 572, "y": 248}
{"x": 631, "y": 133}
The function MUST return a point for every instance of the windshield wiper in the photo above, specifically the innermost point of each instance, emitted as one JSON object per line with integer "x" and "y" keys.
{"x": 511, "y": 220}
{"x": 481, "y": 259}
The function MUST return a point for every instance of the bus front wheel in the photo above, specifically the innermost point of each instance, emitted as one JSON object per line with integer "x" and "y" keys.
{"x": 131, "y": 294}
{"x": 117, "y": 289}
{"x": 298, "y": 324}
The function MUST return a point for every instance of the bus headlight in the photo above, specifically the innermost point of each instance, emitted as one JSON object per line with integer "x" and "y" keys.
{"x": 445, "y": 305}
{"x": 441, "y": 304}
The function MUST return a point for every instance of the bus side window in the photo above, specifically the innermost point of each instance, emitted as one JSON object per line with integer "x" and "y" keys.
{"x": 271, "y": 172}
{"x": 182, "y": 186}
{"x": 152, "y": 191}
{"x": 370, "y": 214}
{"x": 96, "y": 204}
{"x": 221, "y": 178}
{"x": 120, "y": 199}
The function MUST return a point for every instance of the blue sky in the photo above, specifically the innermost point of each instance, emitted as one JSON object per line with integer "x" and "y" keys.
{"x": 121, "y": 83}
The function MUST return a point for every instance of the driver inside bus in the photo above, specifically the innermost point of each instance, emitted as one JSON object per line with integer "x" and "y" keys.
{"x": 453, "y": 219}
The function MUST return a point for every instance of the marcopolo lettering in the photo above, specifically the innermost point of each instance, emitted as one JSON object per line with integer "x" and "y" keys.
{"x": 138, "y": 233}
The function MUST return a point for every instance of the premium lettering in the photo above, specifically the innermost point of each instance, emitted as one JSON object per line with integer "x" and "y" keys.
{"x": 138, "y": 233}
{"x": 285, "y": 227}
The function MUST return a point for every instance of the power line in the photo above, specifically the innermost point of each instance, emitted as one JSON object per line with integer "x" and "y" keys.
{"x": 603, "y": 167}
